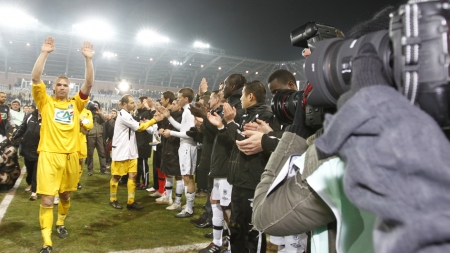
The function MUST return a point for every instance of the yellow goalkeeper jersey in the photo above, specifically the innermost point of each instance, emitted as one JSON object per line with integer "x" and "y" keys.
{"x": 60, "y": 127}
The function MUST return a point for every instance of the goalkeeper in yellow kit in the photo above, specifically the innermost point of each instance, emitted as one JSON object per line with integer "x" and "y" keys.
{"x": 59, "y": 146}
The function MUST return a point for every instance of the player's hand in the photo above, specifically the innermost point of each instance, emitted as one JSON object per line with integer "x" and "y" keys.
{"x": 259, "y": 125}
{"x": 160, "y": 131}
{"x": 48, "y": 46}
{"x": 158, "y": 116}
{"x": 87, "y": 50}
{"x": 215, "y": 119}
{"x": 228, "y": 112}
{"x": 164, "y": 111}
{"x": 166, "y": 133}
{"x": 198, "y": 110}
{"x": 251, "y": 145}
{"x": 203, "y": 86}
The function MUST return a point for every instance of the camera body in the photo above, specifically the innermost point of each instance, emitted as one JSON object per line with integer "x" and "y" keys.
{"x": 285, "y": 102}
{"x": 93, "y": 107}
{"x": 414, "y": 52}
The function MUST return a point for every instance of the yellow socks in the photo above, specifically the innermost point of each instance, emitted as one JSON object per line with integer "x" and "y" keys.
{"x": 131, "y": 186}
{"x": 46, "y": 221}
{"x": 113, "y": 190}
{"x": 63, "y": 208}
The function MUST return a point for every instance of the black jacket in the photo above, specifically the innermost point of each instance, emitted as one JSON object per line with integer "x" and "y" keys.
{"x": 108, "y": 129}
{"x": 223, "y": 144}
{"x": 30, "y": 131}
{"x": 170, "y": 163}
{"x": 143, "y": 138}
{"x": 246, "y": 170}
{"x": 4, "y": 110}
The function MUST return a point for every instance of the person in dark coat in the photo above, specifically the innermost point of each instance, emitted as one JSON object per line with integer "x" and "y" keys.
{"x": 143, "y": 139}
{"x": 30, "y": 131}
{"x": 170, "y": 164}
{"x": 245, "y": 170}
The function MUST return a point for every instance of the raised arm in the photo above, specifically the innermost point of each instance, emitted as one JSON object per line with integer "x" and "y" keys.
{"x": 88, "y": 50}
{"x": 46, "y": 49}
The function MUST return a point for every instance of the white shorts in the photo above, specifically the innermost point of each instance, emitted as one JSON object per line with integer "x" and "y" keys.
{"x": 188, "y": 159}
{"x": 222, "y": 191}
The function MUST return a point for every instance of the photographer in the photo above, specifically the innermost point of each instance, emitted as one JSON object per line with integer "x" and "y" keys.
{"x": 387, "y": 173}
{"x": 95, "y": 139}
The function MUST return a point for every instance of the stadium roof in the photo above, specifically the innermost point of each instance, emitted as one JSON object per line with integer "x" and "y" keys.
{"x": 167, "y": 64}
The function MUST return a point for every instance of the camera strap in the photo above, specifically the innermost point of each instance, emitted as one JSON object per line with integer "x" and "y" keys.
{"x": 411, "y": 43}
{"x": 306, "y": 92}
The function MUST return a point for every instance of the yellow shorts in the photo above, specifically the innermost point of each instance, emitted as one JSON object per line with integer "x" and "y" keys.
{"x": 57, "y": 173}
{"x": 121, "y": 168}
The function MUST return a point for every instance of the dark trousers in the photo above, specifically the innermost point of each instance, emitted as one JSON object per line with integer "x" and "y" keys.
{"x": 107, "y": 147}
{"x": 96, "y": 143}
{"x": 207, "y": 214}
{"x": 243, "y": 238}
{"x": 31, "y": 173}
{"x": 202, "y": 180}
{"x": 142, "y": 172}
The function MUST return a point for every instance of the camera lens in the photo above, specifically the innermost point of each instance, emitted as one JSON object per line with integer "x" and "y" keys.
{"x": 329, "y": 68}
{"x": 284, "y": 104}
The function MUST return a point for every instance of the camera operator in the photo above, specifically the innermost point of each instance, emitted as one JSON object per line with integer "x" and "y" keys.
{"x": 95, "y": 139}
{"x": 312, "y": 199}
{"x": 260, "y": 136}
{"x": 376, "y": 134}
{"x": 391, "y": 170}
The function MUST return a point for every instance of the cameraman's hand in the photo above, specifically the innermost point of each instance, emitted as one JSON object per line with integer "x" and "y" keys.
{"x": 251, "y": 145}
{"x": 367, "y": 71}
{"x": 298, "y": 125}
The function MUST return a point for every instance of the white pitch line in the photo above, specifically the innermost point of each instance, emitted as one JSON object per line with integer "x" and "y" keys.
{"x": 174, "y": 249}
{"x": 10, "y": 195}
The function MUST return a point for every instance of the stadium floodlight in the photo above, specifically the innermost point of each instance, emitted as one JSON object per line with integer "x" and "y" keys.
{"x": 16, "y": 18}
{"x": 176, "y": 63}
{"x": 148, "y": 37}
{"x": 94, "y": 29}
{"x": 124, "y": 86}
{"x": 199, "y": 44}
{"x": 108, "y": 54}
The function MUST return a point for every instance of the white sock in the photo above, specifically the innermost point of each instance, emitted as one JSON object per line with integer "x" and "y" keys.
{"x": 179, "y": 191}
{"x": 190, "y": 197}
{"x": 169, "y": 186}
{"x": 217, "y": 224}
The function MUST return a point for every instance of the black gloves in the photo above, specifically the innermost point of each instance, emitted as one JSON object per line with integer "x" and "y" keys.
{"x": 192, "y": 132}
{"x": 367, "y": 70}
{"x": 198, "y": 110}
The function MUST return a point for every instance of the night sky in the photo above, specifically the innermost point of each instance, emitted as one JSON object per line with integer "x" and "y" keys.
{"x": 244, "y": 28}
